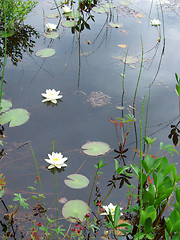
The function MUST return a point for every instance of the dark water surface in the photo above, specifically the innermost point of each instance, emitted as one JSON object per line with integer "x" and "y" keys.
{"x": 74, "y": 121}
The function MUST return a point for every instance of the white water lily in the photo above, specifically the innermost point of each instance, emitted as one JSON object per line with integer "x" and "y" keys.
{"x": 66, "y": 9}
{"x": 109, "y": 208}
{"x": 51, "y": 26}
{"x": 51, "y": 95}
{"x": 155, "y": 22}
{"x": 56, "y": 160}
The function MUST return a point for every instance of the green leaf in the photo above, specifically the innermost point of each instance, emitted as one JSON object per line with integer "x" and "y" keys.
{"x": 115, "y": 25}
{"x": 16, "y": 117}
{"x": 68, "y": 24}
{"x": 46, "y": 52}
{"x": 53, "y": 15}
{"x": 117, "y": 215}
{"x": 135, "y": 169}
{"x": 99, "y": 9}
{"x": 95, "y": 148}
{"x": 76, "y": 181}
{"x": 177, "y": 78}
{"x": 178, "y": 90}
{"x": 51, "y": 34}
{"x": 75, "y": 210}
{"x": 9, "y": 33}
{"x": 5, "y": 105}
{"x": 1, "y": 193}
{"x": 178, "y": 195}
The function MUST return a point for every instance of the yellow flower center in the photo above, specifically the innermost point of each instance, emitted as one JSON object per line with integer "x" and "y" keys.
{"x": 55, "y": 159}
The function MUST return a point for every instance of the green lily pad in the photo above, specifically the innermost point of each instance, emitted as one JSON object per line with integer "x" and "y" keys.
{"x": 46, "y": 52}
{"x": 53, "y": 15}
{"x": 125, "y": 3}
{"x": 5, "y": 105}
{"x": 68, "y": 24}
{"x": 115, "y": 25}
{"x": 75, "y": 210}
{"x": 9, "y": 33}
{"x": 95, "y": 148}
{"x": 52, "y": 35}
{"x": 99, "y": 9}
{"x": 72, "y": 14}
{"x": 108, "y": 5}
{"x": 76, "y": 181}
{"x": 16, "y": 117}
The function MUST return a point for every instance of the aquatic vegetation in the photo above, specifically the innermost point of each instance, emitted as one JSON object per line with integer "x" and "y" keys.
{"x": 66, "y": 9}
{"x": 155, "y": 22}
{"x": 51, "y": 26}
{"x": 56, "y": 160}
{"x": 13, "y": 12}
{"x": 95, "y": 148}
{"x": 110, "y": 208}
{"x": 45, "y": 52}
{"x": 51, "y": 95}
{"x": 76, "y": 181}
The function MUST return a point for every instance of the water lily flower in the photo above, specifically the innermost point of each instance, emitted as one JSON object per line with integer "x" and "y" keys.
{"x": 51, "y": 95}
{"x": 109, "y": 209}
{"x": 56, "y": 160}
{"x": 155, "y": 22}
{"x": 66, "y": 9}
{"x": 51, "y": 26}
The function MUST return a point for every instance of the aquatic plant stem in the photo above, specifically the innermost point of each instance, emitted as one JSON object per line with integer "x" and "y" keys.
{"x": 5, "y": 48}
{"x": 93, "y": 186}
{"x": 141, "y": 169}
{"x": 55, "y": 184}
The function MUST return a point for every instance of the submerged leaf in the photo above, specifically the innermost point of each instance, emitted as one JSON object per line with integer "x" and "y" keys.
{"x": 95, "y": 148}
{"x": 16, "y": 117}
{"x": 99, "y": 9}
{"x": 76, "y": 181}
{"x": 75, "y": 210}
{"x": 46, "y": 52}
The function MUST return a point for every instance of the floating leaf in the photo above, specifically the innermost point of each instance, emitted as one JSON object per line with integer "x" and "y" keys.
{"x": 53, "y": 15}
{"x": 108, "y": 5}
{"x": 115, "y": 25}
{"x": 69, "y": 24}
{"x": 125, "y": 3}
{"x": 63, "y": 200}
{"x": 76, "y": 181}
{"x": 51, "y": 34}
{"x": 73, "y": 14}
{"x": 75, "y": 210}
{"x": 46, "y": 52}
{"x": 5, "y": 105}
{"x": 139, "y": 15}
{"x": 130, "y": 60}
{"x": 99, "y": 9}
{"x": 16, "y": 117}
{"x": 95, "y": 148}
{"x": 9, "y": 33}
{"x": 122, "y": 45}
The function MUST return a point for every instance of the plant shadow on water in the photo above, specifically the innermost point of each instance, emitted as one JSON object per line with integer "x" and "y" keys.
{"x": 102, "y": 74}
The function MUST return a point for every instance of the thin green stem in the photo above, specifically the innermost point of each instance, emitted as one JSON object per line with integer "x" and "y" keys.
{"x": 5, "y": 48}
{"x": 55, "y": 183}
{"x": 141, "y": 169}
{"x": 93, "y": 186}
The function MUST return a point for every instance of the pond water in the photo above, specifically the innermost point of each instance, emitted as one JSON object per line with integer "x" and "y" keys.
{"x": 84, "y": 63}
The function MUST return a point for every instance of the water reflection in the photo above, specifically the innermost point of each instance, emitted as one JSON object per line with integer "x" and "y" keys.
{"x": 23, "y": 41}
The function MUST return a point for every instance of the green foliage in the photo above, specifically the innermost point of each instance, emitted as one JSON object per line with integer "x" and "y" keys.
{"x": 21, "y": 200}
{"x": 177, "y": 84}
{"x": 15, "y": 12}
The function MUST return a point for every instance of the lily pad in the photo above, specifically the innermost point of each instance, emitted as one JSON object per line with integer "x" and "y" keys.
{"x": 16, "y": 117}
{"x": 72, "y": 14}
{"x": 125, "y": 3}
{"x": 95, "y": 148}
{"x": 108, "y": 5}
{"x": 69, "y": 24}
{"x": 75, "y": 210}
{"x": 130, "y": 60}
{"x": 99, "y": 9}
{"x": 9, "y": 33}
{"x": 53, "y": 15}
{"x": 5, "y": 105}
{"x": 52, "y": 35}
{"x": 46, "y": 52}
{"x": 76, "y": 181}
{"x": 115, "y": 25}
